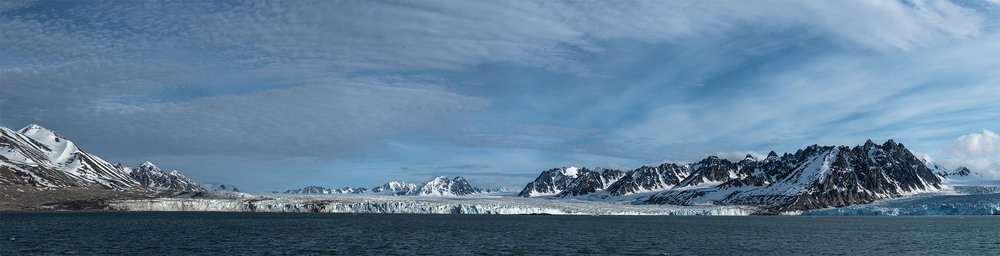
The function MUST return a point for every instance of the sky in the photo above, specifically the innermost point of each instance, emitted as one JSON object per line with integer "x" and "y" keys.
{"x": 275, "y": 95}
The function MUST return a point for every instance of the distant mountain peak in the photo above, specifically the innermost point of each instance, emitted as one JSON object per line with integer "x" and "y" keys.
{"x": 148, "y": 174}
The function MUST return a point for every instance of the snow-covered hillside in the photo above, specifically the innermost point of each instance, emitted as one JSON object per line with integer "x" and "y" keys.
{"x": 41, "y": 157}
{"x": 36, "y": 156}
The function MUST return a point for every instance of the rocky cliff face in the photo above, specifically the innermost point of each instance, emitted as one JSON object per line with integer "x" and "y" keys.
{"x": 648, "y": 178}
{"x": 587, "y": 182}
{"x": 551, "y": 182}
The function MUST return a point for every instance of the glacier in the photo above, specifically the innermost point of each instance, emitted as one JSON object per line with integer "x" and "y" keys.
{"x": 953, "y": 200}
{"x": 417, "y": 205}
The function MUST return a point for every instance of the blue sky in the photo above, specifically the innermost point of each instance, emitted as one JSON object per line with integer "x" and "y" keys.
{"x": 272, "y": 95}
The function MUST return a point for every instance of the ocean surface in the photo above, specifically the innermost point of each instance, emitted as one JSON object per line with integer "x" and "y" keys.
{"x": 187, "y": 233}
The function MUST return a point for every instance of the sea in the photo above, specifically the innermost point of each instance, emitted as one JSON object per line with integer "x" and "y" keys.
{"x": 217, "y": 233}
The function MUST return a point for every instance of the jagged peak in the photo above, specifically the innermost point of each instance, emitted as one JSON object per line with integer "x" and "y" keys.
{"x": 963, "y": 171}
{"x": 890, "y": 143}
{"x": 869, "y": 143}
{"x": 459, "y": 179}
{"x": 772, "y": 154}
{"x": 750, "y": 157}
{"x": 148, "y": 164}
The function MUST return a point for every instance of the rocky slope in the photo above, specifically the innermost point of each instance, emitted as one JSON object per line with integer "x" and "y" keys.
{"x": 151, "y": 176}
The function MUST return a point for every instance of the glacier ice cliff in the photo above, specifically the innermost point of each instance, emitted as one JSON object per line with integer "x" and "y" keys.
{"x": 435, "y": 205}
{"x": 959, "y": 200}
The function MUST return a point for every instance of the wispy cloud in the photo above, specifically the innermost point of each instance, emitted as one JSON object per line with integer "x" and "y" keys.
{"x": 599, "y": 83}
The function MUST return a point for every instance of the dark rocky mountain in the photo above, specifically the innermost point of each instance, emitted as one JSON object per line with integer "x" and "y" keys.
{"x": 151, "y": 176}
{"x": 818, "y": 177}
{"x": 551, "y": 182}
{"x": 811, "y": 178}
{"x": 587, "y": 181}
{"x": 648, "y": 178}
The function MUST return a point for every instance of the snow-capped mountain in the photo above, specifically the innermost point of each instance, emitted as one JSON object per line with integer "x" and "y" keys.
{"x": 398, "y": 188}
{"x": 36, "y": 156}
{"x": 151, "y": 176}
{"x": 218, "y": 187}
{"x": 41, "y": 157}
{"x": 442, "y": 186}
{"x": 815, "y": 177}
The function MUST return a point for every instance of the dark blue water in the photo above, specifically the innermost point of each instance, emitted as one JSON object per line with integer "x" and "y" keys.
{"x": 184, "y": 233}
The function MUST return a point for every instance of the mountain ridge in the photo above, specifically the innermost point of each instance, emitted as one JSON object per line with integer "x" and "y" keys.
{"x": 40, "y": 157}
{"x": 811, "y": 178}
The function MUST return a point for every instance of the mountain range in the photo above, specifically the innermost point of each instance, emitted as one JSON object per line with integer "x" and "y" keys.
{"x": 810, "y": 178}
{"x": 35, "y": 156}
{"x": 439, "y": 186}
